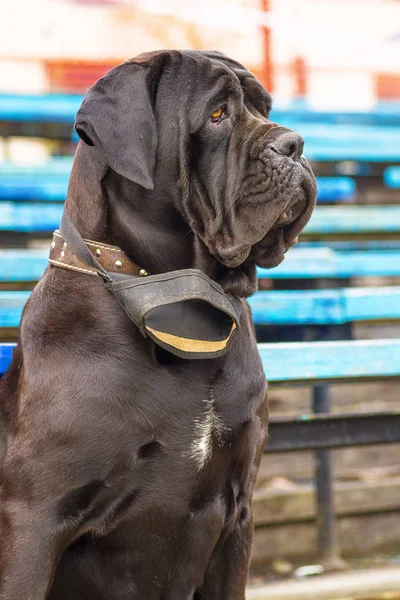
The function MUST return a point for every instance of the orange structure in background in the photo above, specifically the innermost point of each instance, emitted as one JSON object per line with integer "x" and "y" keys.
{"x": 287, "y": 75}
{"x": 75, "y": 76}
{"x": 300, "y": 77}
{"x": 387, "y": 86}
{"x": 266, "y": 77}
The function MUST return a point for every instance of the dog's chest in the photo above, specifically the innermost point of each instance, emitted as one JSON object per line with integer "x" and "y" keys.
{"x": 208, "y": 429}
{"x": 220, "y": 414}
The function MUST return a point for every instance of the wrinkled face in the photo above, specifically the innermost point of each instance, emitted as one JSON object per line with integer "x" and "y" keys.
{"x": 251, "y": 189}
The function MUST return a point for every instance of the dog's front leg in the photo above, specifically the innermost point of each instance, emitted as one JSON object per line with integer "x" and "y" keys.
{"x": 227, "y": 572}
{"x": 32, "y": 536}
{"x": 226, "y": 575}
{"x": 29, "y": 548}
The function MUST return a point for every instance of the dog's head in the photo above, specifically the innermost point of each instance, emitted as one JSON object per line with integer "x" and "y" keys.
{"x": 197, "y": 125}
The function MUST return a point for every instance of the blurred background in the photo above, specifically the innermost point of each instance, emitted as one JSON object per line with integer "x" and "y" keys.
{"x": 333, "y": 68}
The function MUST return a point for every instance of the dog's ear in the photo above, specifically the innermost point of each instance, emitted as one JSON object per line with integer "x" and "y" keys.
{"x": 117, "y": 116}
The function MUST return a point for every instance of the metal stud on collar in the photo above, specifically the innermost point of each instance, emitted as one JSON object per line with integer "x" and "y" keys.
{"x": 143, "y": 273}
{"x": 118, "y": 264}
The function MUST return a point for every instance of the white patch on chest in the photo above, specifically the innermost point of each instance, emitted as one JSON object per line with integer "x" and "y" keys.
{"x": 207, "y": 427}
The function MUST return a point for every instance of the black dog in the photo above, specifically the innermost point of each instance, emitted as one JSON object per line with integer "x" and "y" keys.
{"x": 128, "y": 472}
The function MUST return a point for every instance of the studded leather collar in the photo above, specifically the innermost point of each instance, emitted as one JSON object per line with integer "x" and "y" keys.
{"x": 111, "y": 258}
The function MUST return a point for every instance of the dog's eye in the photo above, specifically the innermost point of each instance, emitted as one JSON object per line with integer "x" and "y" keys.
{"x": 218, "y": 115}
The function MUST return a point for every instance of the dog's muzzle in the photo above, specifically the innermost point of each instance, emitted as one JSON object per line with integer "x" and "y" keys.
{"x": 184, "y": 312}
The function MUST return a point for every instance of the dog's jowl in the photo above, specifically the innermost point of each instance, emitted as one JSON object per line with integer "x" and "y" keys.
{"x": 127, "y": 465}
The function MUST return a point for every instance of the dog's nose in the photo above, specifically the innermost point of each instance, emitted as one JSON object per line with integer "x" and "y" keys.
{"x": 289, "y": 144}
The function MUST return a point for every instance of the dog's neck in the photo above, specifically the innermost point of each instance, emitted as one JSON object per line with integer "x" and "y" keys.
{"x": 146, "y": 225}
{"x": 85, "y": 204}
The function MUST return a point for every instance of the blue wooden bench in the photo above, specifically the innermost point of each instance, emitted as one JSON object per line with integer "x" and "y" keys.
{"x": 55, "y": 108}
{"x": 391, "y": 177}
{"x": 326, "y": 221}
{"x": 309, "y": 362}
{"x": 372, "y": 137}
{"x": 280, "y": 307}
{"x": 47, "y": 108}
{"x": 62, "y": 107}
{"x": 40, "y": 183}
{"x": 22, "y": 265}
{"x": 327, "y": 142}
{"x": 49, "y": 182}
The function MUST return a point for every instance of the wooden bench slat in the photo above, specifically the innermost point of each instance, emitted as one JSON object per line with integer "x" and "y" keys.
{"x": 22, "y": 265}
{"x": 11, "y": 305}
{"x": 6, "y": 351}
{"x": 325, "y": 220}
{"x": 358, "y": 245}
{"x": 382, "y": 114}
{"x": 391, "y": 177}
{"x": 49, "y": 181}
{"x": 63, "y": 107}
{"x": 336, "y": 189}
{"x": 51, "y": 108}
{"x": 300, "y": 263}
{"x": 354, "y": 219}
{"x": 303, "y": 307}
{"x": 306, "y": 362}
{"x": 30, "y": 217}
{"x": 325, "y": 307}
{"x": 310, "y": 263}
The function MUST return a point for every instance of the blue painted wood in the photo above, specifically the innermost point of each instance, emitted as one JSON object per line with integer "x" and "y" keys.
{"x": 300, "y": 263}
{"x": 22, "y": 265}
{"x": 351, "y": 245}
{"x": 49, "y": 181}
{"x": 325, "y": 307}
{"x": 355, "y": 134}
{"x": 51, "y": 188}
{"x": 323, "y": 152}
{"x": 329, "y": 136}
{"x": 391, "y": 177}
{"x": 310, "y": 263}
{"x": 57, "y": 165}
{"x": 11, "y": 305}
{"x": 337, "y": 142}
{"x": 354, "y": 219}
{"x": 335, "y": 189}
{"x": 29, "y": 217}
{"x": 317, "y": 361}
{"x": 336, "y": 220}
{"x": 382, "y": 114}
{"x": 52, "y": 108}
{"x": 305, "y": 362}
{"x": 6, "y": 351}
{"x": 297, "y": 307}
{"x": 371, "y": 303}
{"x": 63, "y": 107}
